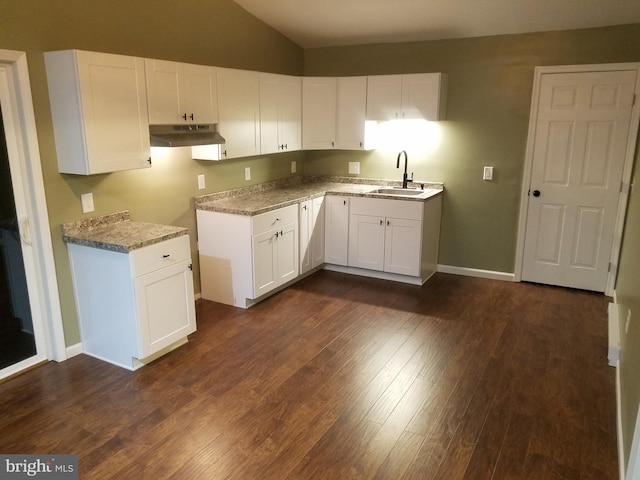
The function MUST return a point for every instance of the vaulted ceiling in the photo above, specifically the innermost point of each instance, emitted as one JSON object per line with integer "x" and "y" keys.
{"x": 321, "y": 23}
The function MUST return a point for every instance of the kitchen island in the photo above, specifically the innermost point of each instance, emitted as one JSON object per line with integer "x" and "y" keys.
{"x": 133, "y": 287}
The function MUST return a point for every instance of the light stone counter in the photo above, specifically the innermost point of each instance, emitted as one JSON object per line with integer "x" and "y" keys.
{"x": 116, "y": 232}
{"x": 265, "y": 197}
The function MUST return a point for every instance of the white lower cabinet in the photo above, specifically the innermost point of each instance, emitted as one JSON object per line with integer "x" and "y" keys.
{"x": 311, "y": 224}
{"x": 336, "y": 229}
{"x": 133, "y": 307}
{"x": 243, "y": 257}
{"x": 395, "y": 236}
{"x": 275, "y": 249}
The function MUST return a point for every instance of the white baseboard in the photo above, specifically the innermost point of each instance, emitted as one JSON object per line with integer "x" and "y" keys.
{"x": 619, "y": 424}
{"x": 614, "y": 334}
{"x": 74, "y": 350}
{"x": 474, "y": 272}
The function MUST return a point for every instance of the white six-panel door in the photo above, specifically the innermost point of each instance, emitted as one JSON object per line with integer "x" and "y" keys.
{"x": 579, "y": 150}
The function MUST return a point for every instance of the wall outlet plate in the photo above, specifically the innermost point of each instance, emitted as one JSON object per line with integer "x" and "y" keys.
{"x": 354, "y": 168}
{"x": 87, "y": 202}
{"x": 247, "y": 173}
{"x": 293, "y": 166}
{"x": 201, "y": 182}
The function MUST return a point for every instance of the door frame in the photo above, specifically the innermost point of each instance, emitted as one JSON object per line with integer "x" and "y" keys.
{"x": 626, "y": 173}
{"x": 22, "y": 112}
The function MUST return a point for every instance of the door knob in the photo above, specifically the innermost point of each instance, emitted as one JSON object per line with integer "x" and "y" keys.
{"x": 536, "y": 193}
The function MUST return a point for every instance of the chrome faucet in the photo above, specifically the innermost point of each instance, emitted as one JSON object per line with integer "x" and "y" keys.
{"x": 405, "y": 180}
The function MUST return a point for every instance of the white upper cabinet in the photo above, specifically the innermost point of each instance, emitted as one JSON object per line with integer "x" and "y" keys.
{"x": 99, "y": 111}
{"x": 351, "y": 112}
{"x": 181, "y": 93}
{"x": 333, "y": 112}
{"x": 280, "y": 113}
{"x": 239, "y": 112}
{"x": 319, "y": 112}
{"x": 410, "y": 96}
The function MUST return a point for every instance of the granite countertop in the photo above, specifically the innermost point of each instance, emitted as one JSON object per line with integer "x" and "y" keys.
{"x": 116, "y": 232}
{"x": 263, "y": 198}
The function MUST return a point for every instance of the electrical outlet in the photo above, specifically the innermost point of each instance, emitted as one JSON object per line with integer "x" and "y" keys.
{"x": 87, "y": 202}
{"x": 293, "y": 166}
{"x": 354, "y": 168}
{"x": 201, "y": 183}
{"x": 247, "y": 173}
{"x": 487, "y": 173}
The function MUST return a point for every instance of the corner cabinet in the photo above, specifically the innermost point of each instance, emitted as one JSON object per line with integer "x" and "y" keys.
{"x": 99, "y": 111}
{"x": 409, "y": 96}
{"x": 133, "y": 307}
{"x": 333, "y": 112}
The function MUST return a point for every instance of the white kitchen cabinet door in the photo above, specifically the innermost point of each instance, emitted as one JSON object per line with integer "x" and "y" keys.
{"x": 264, "y": 264}
{"x": 319, "y": 96}
{"x": 99, "y": 111}
{"x": 424, "y": 96}
{"x": 317, "y": 232}
{"x": 180, "y": 93}
{"x": 409, "y": 96}
{"x": 402, "y": 246}
{"x": 280, "y": 113}
{"x": 351, "y": 112}
{"x": 290, "y": 113}
{"x": 384, "y": 97}
{"x": 286, "y": 255}
{"x": 305, "y": 215}
{"x": 166, "y": 309}
{"x": 336, "y": 229}
{"x": 239, "y": 112}
{"x": 311, "y": 227}
{"x": 366, "y": 242}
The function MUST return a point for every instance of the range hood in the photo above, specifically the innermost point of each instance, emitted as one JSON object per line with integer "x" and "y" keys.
{"x": 184, "y": 135}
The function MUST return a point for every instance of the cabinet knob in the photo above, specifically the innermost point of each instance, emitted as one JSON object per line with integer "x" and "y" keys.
{"x": 536, "y": 193}
{"x": 380, "y": 222}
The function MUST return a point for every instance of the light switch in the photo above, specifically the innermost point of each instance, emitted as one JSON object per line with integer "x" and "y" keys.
{"x": 201, "y": 183}
{"x": 87, "y": 202}
{"x": 487, "y": 173}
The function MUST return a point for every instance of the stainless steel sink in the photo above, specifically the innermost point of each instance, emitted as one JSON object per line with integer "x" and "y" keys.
{"x": 399, "y": 191}
{"x": 404, "y": 192}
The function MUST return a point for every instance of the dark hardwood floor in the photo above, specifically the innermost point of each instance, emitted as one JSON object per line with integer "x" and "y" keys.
{"x": 342, "y": 377}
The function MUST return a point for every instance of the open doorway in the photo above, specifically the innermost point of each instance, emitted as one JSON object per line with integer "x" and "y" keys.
{"x": 17, "y": 339}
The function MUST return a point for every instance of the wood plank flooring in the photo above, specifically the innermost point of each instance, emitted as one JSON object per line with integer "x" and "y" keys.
{"x": 343, "y": 377}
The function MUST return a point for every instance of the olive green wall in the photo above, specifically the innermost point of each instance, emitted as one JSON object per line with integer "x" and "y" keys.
{"x": 490, "y": 86}
{"x": 628, "y": 300}
{"x": 215, "y": 32}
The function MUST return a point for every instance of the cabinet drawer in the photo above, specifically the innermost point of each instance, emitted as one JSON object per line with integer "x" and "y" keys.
{"x": 273, "y": 219}
{"x": 159, "y": 255}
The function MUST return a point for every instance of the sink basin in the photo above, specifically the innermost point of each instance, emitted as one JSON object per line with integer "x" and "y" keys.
{"x": 404, "y": 192}
{"x": 412, "y": 192}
